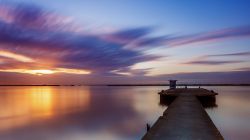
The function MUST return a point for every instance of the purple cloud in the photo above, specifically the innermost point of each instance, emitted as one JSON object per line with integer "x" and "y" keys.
{"x": 243, "y": 69}
{"x": 50, "y": 39}
{"x": 33, "y": 16}
{"x": 231, "y": 54}
{"x": 175, "y": 40}
{"x": 211, "y": 62}
{"x": 30, "y": 34}
{"x": 127, "y": 36}
{"x": 222, "y": 34}
{"x": 223, "y": 77}
{"x": 152, "y": 41}
{"x": 204, "y": 60}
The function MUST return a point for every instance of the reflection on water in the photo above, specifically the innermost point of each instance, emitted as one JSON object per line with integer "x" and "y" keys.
{"x": 76, "y": 113}
{"x": 107, "y": 113}
{"x": 233, "y": 112}
{"x": 23, "y": 105}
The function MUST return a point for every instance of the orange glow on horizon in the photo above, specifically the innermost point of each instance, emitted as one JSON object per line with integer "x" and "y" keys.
{"x": 47, "y": 67}
{"x": 48, "y": 71}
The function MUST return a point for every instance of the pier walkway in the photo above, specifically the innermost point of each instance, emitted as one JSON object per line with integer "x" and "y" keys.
{"x": 185, "y": 118}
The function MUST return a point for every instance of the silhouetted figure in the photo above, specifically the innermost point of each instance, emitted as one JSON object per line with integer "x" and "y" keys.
{"x": 148, "y": 127}
{"x": 186, "y": 86}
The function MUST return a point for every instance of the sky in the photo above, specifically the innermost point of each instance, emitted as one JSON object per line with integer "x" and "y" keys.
{"x": 124, "y": 41}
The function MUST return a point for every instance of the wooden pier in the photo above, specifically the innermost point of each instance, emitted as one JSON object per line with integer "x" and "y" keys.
{"x": 185, "y": 117}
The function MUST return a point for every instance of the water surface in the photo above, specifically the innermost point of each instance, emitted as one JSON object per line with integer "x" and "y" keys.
{"x": 102, "y": 112}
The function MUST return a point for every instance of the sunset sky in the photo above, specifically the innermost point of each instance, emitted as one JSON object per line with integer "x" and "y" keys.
{"x": 124, "y": 41}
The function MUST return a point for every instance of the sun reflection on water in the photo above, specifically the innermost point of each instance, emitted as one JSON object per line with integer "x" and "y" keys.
{"x": 25, "y": 105}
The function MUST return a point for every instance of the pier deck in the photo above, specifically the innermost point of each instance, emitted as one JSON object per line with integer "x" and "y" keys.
{"x": 185, "y": 118}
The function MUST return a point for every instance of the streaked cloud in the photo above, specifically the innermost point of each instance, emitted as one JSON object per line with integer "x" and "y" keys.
{"x": 247, "y": 53}
{"x": 212, "y": 62}
{"x": 221, "y": 77}
{"x": 222, "y": 34}
{"x": 38, "y": 41}
{"x": 28, "y": 30}
{"x": 175, "y": 40}
{"x": 243, "y": 69}
{"x": 126, "y": 36}
{"x": 131, "y": 72}
{"x": 35, "y": 17}
{"x": 17, "y": 57}
{"x": 212, "y": 59}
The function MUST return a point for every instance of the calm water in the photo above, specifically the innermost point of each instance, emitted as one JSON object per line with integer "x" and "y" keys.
{"x": 107, "y": 113}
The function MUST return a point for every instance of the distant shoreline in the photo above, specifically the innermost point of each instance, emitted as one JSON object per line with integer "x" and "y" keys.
{"x": 33, "y": 85}
{"x": 143, "y": 85}
{"x": 180, "y": 85}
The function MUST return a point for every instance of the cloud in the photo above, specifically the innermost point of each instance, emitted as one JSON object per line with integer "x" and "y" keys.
{"x": 152, "y": 41}
{"x": 38, "y": 39}
{"x": 222, "y": 34}
{"x": 206, "y": 59}
{"x": 131, "y": 72}
{"x": 33, "y": 16}
{"x": 222, "y": 77}
{"x": 204, "y": 37}
{"x": 29, "y": 33}
{"x": 15, "y": 56}
{"x": 128, "y": 35}
{"x": 247, "y": 53}
{"x": 243, "y": 69}
{"x": 211, "y": 62}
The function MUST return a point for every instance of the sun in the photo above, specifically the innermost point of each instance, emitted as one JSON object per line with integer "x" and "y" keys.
{"x": 41, "y": 72}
